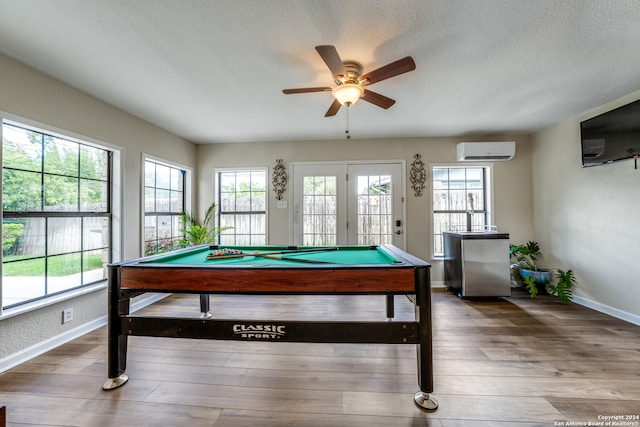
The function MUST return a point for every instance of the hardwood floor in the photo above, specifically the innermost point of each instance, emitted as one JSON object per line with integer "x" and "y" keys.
{"x": 508, "y": 362}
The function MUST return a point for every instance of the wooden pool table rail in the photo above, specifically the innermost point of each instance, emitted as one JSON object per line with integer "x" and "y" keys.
{"x": 266, "y": 280}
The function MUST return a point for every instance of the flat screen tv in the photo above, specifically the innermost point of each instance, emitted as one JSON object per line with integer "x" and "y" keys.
{"x": 612, "y": 136}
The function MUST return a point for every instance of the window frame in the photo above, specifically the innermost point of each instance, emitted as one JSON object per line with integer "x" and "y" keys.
{"x": 186, "y": 193}
{"x": 217, "y": 197}
{"x": 488, "y": 175}
{"x": 112, "y": 213}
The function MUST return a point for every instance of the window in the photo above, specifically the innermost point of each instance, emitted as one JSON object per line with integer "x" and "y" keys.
{"x": 242, "y": 206}
{"x": 164, "y": 201}
{"x": 56, "y": 227}
{"x": 460, "y": 201}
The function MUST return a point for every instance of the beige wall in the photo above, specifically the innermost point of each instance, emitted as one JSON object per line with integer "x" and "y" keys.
{"x": 512, "y": 180}
{"x": 31, "y": 95}
{"x": 588, "y": 219}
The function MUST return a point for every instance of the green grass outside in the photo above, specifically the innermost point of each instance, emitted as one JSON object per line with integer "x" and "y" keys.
{"x": 57, "y": 265}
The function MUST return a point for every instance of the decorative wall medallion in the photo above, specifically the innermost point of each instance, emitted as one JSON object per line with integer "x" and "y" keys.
{"x": 279, "y": 179}
{"x": 417, "y": 175}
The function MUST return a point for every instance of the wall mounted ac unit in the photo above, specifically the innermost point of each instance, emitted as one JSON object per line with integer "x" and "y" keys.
{"x": 485, "y": 151}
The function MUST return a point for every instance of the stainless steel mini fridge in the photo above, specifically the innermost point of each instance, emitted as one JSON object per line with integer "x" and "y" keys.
{"x": 476, "y": 264}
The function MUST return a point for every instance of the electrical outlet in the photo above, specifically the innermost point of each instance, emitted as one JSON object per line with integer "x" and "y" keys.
{"x": 67, "y": 315}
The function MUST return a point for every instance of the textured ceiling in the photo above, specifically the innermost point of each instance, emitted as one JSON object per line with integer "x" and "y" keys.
{"x": 213, "y": 71}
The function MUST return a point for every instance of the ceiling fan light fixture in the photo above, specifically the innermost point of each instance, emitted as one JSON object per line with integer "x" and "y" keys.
{"x": 348, "y": 94}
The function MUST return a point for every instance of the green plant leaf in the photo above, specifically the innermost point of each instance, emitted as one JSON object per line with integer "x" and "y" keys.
{"x": 563, "y": 287}
{"x": 525, "y": 255}
{"x": 530, "y": 286}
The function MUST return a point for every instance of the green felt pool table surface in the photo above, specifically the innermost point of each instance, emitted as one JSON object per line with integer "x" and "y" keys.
{"x": 302, "y": 255}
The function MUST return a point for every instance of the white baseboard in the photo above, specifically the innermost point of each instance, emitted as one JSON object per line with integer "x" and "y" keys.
{"x": 438, "y": 284}
{"x": 56, "y": 341}
{"x": 611, "y": 311}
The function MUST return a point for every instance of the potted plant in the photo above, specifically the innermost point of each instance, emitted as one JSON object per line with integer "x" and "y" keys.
{"x": 525, "y": 259}
{"x": 535, "y": 280}
{"x": 197, "y": 232}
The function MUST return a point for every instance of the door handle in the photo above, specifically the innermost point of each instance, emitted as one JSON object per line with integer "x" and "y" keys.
{"x": 398, "y": 231}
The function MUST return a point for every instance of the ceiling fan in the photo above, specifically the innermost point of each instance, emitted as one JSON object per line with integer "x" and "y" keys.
{"x": 351, "y": 82}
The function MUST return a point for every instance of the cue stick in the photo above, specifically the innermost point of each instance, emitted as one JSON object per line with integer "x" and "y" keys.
{"x": 293, "y": 251}
{"x": 308, "y": 261}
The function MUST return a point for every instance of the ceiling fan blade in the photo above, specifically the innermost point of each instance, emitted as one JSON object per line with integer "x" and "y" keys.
{"x": 306, "y": 90}
{"x": 330, "y": 56}
{"x": 398, "y": 67}
{"x": 377, "y": 99}
{"x": 333, "y": 109}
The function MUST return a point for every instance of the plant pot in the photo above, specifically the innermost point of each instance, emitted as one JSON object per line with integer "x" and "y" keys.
{"x": 541, "y": 277}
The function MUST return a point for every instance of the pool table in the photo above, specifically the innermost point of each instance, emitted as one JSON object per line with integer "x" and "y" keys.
{"x": 204, "y": 270}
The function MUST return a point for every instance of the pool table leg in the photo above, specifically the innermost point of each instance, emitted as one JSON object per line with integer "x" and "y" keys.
{"x": 117, "y": 341}
{"x": 205, "y": 306}
{"x": 423, "y": 397}
{"x": 390, "y": 308}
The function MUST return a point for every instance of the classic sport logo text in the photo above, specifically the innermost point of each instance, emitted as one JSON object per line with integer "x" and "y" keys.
{"x": 259, "y": 331}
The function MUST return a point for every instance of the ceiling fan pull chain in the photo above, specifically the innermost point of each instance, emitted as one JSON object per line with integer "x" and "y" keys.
{"x": 347, "y": 131}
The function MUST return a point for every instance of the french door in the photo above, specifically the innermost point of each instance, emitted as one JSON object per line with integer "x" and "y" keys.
{"x": 348, "y": 204}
